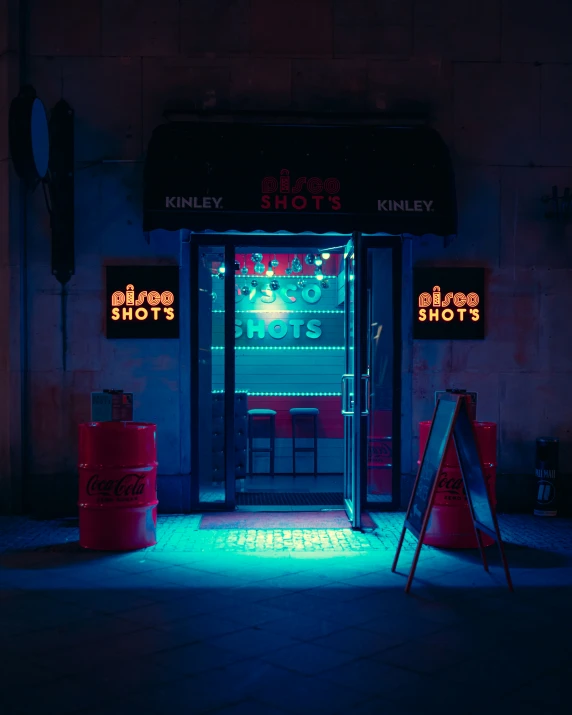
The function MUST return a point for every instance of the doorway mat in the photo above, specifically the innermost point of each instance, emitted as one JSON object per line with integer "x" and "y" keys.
{"x": 281, "y": 520}
{"x": 289, "y": 499}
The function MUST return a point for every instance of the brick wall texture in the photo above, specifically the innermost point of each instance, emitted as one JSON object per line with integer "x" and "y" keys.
{"x": 495, "y": 77}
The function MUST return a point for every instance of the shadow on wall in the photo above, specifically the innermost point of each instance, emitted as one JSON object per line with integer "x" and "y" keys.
{"x": 51, "y": 495}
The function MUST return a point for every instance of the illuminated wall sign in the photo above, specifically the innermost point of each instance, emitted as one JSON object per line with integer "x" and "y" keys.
{"x": 449, "y": 303}
{"x": 142, "y": 302}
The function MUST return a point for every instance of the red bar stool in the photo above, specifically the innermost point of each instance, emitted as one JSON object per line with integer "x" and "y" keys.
{"x": 304, "y": 413}
{"x": 268, "y": 416}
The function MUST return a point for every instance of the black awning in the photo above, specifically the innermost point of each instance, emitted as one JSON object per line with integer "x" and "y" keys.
{"x": 245, "y": 177}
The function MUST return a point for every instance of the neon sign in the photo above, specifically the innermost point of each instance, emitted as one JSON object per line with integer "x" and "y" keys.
{"x": 301, "y": 193}
{"x": 289, "y": 317}
{"x": 277, "y": 329}
{"x": 448, "y": 303}
{"x": 142, "y": 302}
{"x": 153, "y": 299}
{"x": 310, "y": 293}
{"x": 289, "y": 325}
{"x": 460, "y": 304}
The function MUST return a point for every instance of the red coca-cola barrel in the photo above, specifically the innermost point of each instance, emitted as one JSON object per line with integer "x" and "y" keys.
{"x": 450, "y": 524}
{"x": 117, "y": 485}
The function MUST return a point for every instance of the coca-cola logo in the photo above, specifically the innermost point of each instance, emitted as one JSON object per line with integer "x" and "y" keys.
{"x": 379, "y": 451}
{"x": 453, "y": 485}
{"x": 128, "y": 485}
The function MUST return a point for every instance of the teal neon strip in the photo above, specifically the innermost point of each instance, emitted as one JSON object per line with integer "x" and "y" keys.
{"x": 284, "y": 394}
{"x": 277, "y": 310}
{"x": 262, "y": 276}
{"x": 302, "y": 347}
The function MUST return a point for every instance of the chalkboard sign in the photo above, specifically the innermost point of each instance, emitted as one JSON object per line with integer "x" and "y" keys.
{"x": 432, "y": 458}
{"x": 474, "y": 479}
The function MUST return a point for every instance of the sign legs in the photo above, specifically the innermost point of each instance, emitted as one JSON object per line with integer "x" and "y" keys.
{"x": 414, "y": 564}
{"x": 479, "y": 538}
{"x": 503, "y": 556}
{"x": 399, "y": 545}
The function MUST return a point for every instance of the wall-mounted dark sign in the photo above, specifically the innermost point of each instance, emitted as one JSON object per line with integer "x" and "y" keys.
{"x": 142, "y": 302}
{"x": 449, "y": 303}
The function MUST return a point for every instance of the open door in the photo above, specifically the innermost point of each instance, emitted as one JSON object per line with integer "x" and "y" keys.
{"x": 351, "y": 388}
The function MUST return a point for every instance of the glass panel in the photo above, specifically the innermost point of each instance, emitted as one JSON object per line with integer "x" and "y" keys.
{"x": 380, "y": 364}
{"x": 289, "y": 333}
{"x": 348, "y": 383}
{"x": 210, "y": 450}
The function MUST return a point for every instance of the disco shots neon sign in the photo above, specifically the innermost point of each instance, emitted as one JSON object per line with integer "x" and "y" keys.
{"x": 448, "y": 303}
{"x": 142, "y": 302}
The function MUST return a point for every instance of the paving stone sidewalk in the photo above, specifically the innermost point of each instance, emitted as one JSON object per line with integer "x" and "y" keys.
{"x": 182, "y": 533}
{"x": 282, "y": 621}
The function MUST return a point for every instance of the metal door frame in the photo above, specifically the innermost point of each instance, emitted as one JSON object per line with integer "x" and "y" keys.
{"x": 351, "y": 388}
{"x": 362, "y": 243}
{"x": 197, "y": 241}
{"x": 394, "y": 243}
{"x": 229, "y": 242}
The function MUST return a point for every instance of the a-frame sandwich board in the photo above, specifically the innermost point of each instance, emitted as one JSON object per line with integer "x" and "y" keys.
{"x": 451, "y": 418}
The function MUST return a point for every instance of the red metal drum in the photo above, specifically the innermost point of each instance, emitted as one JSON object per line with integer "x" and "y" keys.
{"x": 450, "y": 525}
{"x": 117, "y": 485}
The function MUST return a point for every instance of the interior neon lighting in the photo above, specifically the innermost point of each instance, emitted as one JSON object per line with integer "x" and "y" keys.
{"x": 277, "y": 310}
{"x": 287, "y": 347}
{"x": 260, "y": 232}
{"x": 293, "y": 277}
{"x": 284, "y": 394}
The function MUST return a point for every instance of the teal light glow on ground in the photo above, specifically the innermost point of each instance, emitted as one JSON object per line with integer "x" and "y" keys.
{"x": 226, "y": 622}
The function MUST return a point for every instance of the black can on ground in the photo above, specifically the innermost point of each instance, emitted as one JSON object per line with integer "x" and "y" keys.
{"x": 547, "y": 478}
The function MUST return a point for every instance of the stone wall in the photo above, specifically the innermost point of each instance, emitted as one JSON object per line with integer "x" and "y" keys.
{"x": 11, "y": 275}
{"x": 495, "y": 77}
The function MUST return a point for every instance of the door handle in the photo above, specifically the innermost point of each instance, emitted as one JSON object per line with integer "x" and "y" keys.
{"x": 347, "y": 402}
{"x": 365, "y": 384}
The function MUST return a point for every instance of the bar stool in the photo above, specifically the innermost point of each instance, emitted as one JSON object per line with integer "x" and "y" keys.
{"x": 297, "y": 414}
{"x": 259, "y": 416}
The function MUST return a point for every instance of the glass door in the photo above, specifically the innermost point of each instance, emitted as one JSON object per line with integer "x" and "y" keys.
{"x": 212, "y": 376}
{"x": 350, "y": 396}
{"x": 371, "y": 383}
{"x": 378, "y": 300}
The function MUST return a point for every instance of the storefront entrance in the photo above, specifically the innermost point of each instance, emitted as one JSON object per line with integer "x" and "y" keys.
{"x": 282, "y": 326}
{"x": 295, "y": 235}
